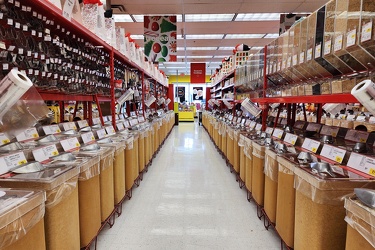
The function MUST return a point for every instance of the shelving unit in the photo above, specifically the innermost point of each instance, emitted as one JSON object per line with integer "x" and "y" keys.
{"x": 108, "y": 58}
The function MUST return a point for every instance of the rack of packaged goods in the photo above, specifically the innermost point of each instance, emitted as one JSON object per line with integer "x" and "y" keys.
{"x": 319, "y": 60}
{"x": 66, "y": 61}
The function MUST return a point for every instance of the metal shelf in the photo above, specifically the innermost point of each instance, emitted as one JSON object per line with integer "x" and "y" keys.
{"x": 228, "y": 87}
{"x": 332, "y": 98}
{"x": 229, "y": 75}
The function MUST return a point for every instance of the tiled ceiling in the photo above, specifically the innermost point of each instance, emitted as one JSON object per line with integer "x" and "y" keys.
{"x": 213, "y": 37}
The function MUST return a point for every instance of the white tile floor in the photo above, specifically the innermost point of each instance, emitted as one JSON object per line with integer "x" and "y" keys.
{"x": 188, "y": 200}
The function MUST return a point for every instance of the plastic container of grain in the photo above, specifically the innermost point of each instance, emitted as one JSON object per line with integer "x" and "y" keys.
{"x": 241, "y": 144}
{"x": 248, "y": 151}
{"x": 319, "y": 210}
{"x": 257, "y": 179}
{"x": 223, "y": 131}
{"x": 270, "y": 184}
{"x": 236, "y": 151}
{"x": 22, "y": 219}
{"x": 360, "y": 219}
{"x": 230, "y": 145}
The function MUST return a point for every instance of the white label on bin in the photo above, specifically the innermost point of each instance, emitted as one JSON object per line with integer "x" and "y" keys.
{"x": 70, "y": 144}
{"x": 366, "y": 32}
{"x": 327, "y": 47}
{"x": 101, "y": 133}
{"x": 96, "y": 120}
{"x": 133, "y": 122}
{"x": 269, "y": 130}
{"x": 362, "y": 163}
{"x": 309, "y": 54}
{"x": 290, "y": 138}
{"x": 110, "y": 130}
{"x": 328, "y": 130}
{"x": 120, "y": 126}
{"x": 333, "y": 153}
{"x": 141, "y": 119}
{"x": 258, "y": 127}
{"x": 44, "y": 153}
{"x": 351, "y": 37}
{"x": 10, "y": 161}
{"x": 302, "y": 57}
{"x": 126, "y": 124}
{"x": 311, "y": 145}
{"x": 83, "y": 123}
{"x": 28, "y": 134}
{"x": 3, "y": 139}
{"x": 313, "y": 127}
{"x": 351, "y": 118}
{"x": 356, "y": 136}
{"x": 361, "y": 118}
{"x": 318, "y": 50}
{"x": 69, "y": 126}
{"x": 52, "y": 129}
{"x": 295, "y": 60}
{"x": 278, "y": 133}
{"x": 105, "y": 118}
{"x": 338, "y": 43}
{"x": 87, "y": 137}
{"x": 252, "y": 125}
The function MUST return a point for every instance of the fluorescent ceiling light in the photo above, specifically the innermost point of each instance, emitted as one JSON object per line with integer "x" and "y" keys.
{"x": 195, "y": 56}
{"x": 208, "y": 17}
{"x": 272, "y": 35}
{"x": 197, "y": 48}
{"x": 226, "y": 48}
{"x": 137, "y": 37}
{"x": 243, "y": 36}
{"x": 213, "y": 36}
{"x": 125, "y": 18}
{"x": 256, "y": 48}
{"x": 258, "y": 17}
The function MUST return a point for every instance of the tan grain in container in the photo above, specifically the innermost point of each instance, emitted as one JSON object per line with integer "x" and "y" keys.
{"x": 270, "y": 184}
{"x": 360, "y": 219}
{"x": 22, "y": 222}
{"x": 241, "y": 144}
{"x": 347, "y": 124}
{"x": 236, "y": 151}
{"x": 319, "y": 210}
{"x": 60, "y": 185}
{"x": 230, "y": 145}
{"x": 141, "y": 150}
{"x": 147, "y": 145}
{"x": 136, "y": 158}
{"x": 248, "y": 150}
{"x": 129, "y": 163}
{"x": 285, "y": 201}
{"x": 223, "y": 146}
{"x": 336, "y": 122}
{"x": 257, "y": 180}
{"x": 156, "y": 135}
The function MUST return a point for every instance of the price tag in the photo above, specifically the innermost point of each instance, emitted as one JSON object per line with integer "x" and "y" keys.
{"x": 278, "y": 66}
{"x": 120, "y": 126}
{"x": 328, "y": 130}
{"x": 338, "y": 43}
{"x": 295, "y": 60}
{"x": 356, "y": 136}
{"x": 10, "y": 161}
{"x": 351, "y": 118}
{"x": 318, "y": 51}
{"x": 252, "y": 125}
{"x": 362, "y": 163}
{"x": 101, "y": 133}
{"x": 311, "y": 145}
{"x": 52, "y": 129}
{"x": 133, "y": 122}
{"x": 350, "y": 38}
{"x": 28, "y": 134}
{"x": 110, "y": 130}
{"x": 290, "y": 138}
{"x": 289, "y": 62}
{"x": 96, "y": 120}
{"x": 17, "y": 25}
{"x": 269, "y": 130}
{"x": 141, "y": 119}
{"x": 302, "y": 57}
{"x": 333, "y": 153}
{"x": 69, "y": 126}
{"x": 366, "y": 32}
{"x": 82, "y": 123}
{"x": 258, "y": 127}
{"x": 309, "y": 54}
{"x": 3, "y": 139}
{"x": 44, "y": 153}
{"x": 313, "y": 127}
{"x": 70, "y": 144}
{"x": 88, "y": 137}
{"x": 10, "y": 21}
{"x": 126, "y": 124}
{"x": 327, "y": 47}
{"x": 278, "y": 133}
{"x": 361, "y": 118}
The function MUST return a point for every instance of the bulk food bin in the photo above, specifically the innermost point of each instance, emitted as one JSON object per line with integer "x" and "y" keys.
{"x": 285, "y": 200}
{"x": 223, "y": 132}
{"x": 230, "y": 145}
{"x": 360, "y": 219}
{"x": 248, "y": 151}
{"x": 130, "y": 162}
{"x": 270, "y": 183}
{"x": 241, "y": 144}
{"x": 257, "y": 179}
{"x": 141, "y": 150}
{"x": 61, "y": 220}
{"x": 236, "y": 151}
{"x": 118, "y": 166}
{"x": 22, "y": 219}
{"x": 106, "y": 155}
{"x": 319, "y": 209}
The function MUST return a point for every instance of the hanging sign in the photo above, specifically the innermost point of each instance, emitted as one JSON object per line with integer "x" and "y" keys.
{"x": 197, "y": 72}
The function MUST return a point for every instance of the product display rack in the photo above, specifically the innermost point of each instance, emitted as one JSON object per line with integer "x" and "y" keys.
{"x": 48, "y": 11}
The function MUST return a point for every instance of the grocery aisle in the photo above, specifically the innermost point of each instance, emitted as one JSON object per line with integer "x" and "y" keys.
{"x": 188, "y": 200}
